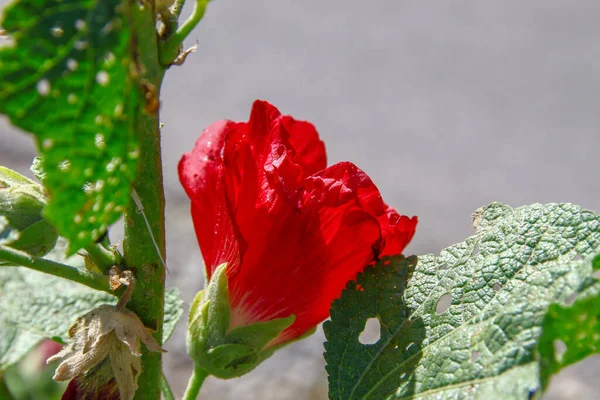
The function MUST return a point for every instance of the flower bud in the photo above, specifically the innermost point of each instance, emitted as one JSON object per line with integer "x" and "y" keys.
{"x": 216, "y": 347}
{"x": 21, "y": 223}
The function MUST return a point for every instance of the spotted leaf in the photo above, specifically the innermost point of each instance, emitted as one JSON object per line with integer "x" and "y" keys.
{"x": 67, "y": 76}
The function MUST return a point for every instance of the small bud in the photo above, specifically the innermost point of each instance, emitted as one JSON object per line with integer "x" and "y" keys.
{"x": 220, "y": 351}
{"x": 21, "y": 203}
{"x": 105, "y": 346}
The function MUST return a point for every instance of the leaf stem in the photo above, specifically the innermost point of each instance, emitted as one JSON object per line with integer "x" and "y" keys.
{"x": 19, "y": 258}
{"x": 195, "y": 383}
{"x": 165, "y": 388}
{"x": 104, "y": 258}
{"x": 170, "y": 48}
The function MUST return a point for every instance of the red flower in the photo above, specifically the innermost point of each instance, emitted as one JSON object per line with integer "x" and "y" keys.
{"x": 292, "y": 231}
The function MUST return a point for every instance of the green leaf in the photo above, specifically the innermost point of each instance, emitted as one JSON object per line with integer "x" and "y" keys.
{"x": 69, "y": 78}
{"x": 173, "y": 312}
{"x": 465, "y": 323}
{"x": 569, "y": 334}
{"x": 35, "y": 306}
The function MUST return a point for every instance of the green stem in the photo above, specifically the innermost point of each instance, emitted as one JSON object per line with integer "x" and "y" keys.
{"x": 178, "y": 7}
{"x": 165, "y": 388}
{"x": 140, "y": 253}
{"x": 104, "y": 258}
{"x": 19, "y": 258}
{"x": 195, "y": 383}
{"x": 170, "y": 48}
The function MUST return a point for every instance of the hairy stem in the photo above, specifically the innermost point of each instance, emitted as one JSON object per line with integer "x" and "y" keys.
{"x": 170, "y": 48}
{"x": 19, "y": 258}
{"x": 195, "y": 383}
{"x": 144, "y": 245}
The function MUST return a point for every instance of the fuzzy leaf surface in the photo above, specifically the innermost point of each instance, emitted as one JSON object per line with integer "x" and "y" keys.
{"x": 464, "y": 324}
{"x": 67, "y": 76}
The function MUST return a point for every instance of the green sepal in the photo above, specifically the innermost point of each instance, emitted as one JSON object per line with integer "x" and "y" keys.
{"x": 260, "y": 333}
{"x": 218, "y": 350}
{"x": 21, "y": 203}
{"x": 217, "y": 297}
{"x": 233, "y": 359}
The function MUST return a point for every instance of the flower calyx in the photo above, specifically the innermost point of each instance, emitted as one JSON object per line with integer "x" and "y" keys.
{"x": 215, "y": 346}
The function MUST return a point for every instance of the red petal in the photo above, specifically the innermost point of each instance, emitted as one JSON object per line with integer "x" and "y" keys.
{"x": 201, "y": 174}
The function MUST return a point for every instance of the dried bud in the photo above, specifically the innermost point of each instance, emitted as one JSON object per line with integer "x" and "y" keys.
{"x": 105, "y": 346}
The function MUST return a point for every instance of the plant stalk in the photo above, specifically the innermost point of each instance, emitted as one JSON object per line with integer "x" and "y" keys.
{"x": 144, "y": 245}
{"x": 17, "y": 258}
{"x": 195, "y": 383}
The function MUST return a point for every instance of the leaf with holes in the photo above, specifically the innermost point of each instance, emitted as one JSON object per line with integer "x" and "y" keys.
{"x": 68, "y": 78}
{"x": 570, "y": 333}
{"x": 465, "y": 323}
{"x": 37, "y": 306}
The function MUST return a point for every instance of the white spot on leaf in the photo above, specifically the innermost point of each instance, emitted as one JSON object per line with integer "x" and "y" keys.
{"x": 109, "y": 59}
{"x": 80, "y": 45}
{"x": 102, "y": 78}
{"x": 72, "y": 64}
{"x": 99, "y": 141}
{"x": 47, "y": 144}
{"x": 64, "y": 165}
{"x": 80, "y": 25}
{"x": 57, "y": 31}
{"x": 43, "y": 87}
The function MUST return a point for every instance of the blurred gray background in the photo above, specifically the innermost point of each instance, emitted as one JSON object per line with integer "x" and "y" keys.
{"x": 448, "y": 105}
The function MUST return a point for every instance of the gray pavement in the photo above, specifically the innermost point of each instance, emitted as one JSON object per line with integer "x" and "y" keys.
{"x": 447, "y": 105}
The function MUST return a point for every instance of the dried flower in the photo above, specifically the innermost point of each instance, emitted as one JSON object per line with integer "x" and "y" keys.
{"x": 104, "y": 355}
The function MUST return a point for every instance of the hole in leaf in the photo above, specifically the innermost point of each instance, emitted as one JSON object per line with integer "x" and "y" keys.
{"x": 596, "y": 262}
{"x": 578, "y": 257}
{"x": 596, "y": 274}
{"x": 475, "y": 249}
{"x": 571, "y": 299}
{"x": 444, "y": 267}
{"x": 497, "y": 286}
{"x": 475, "y": 355}
{"x": 559, "y": 349}
{"x": 371, "y": 333}
{"x": 443, "y": 303}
